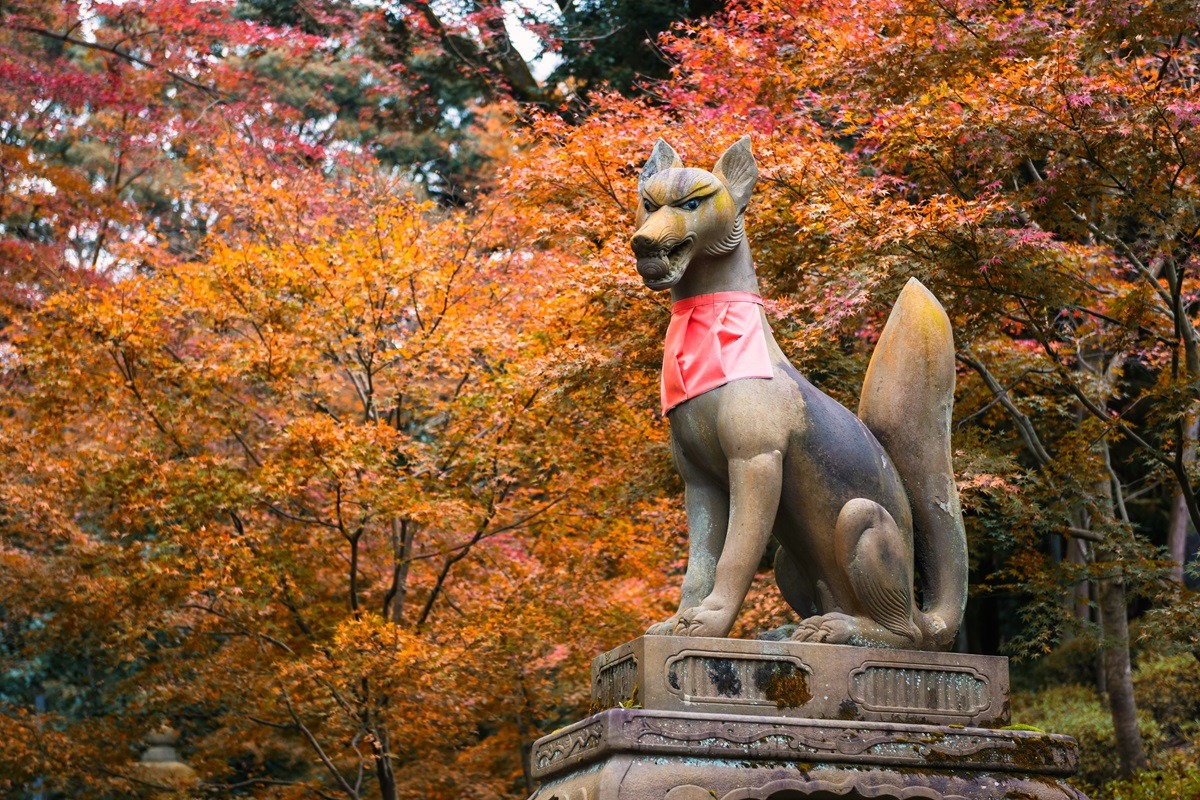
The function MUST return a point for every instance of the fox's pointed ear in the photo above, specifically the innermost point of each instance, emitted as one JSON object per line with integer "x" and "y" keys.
{"x": 662, "y": 157}
{"x": 738, "y": 171}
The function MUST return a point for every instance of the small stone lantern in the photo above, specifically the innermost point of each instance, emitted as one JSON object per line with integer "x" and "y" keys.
{"x": 160, "y": 763}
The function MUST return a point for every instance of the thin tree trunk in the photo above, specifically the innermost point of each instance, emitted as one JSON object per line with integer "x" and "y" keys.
{"x": 1177, "y": 525}
{"x": 1177, "y": 528}
{"x": 402, "y": 539}
{"x": 1077, "y": 553}
{"x": 1111, "y": 606}
{"x": 526, "y": 749}
{"x": 1114, "y": 643}
{"x": 1118, "y": 674}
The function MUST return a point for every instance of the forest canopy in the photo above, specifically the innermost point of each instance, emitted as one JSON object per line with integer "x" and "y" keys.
{"x": 329, "y": 434}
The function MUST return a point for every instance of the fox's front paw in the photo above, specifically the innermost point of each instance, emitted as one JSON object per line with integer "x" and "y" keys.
{"x": 664, "y": 628}
{"x": 704, "y": 620}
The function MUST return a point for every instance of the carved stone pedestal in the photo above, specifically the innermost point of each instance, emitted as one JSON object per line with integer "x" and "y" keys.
{"x": 735, "y": 720}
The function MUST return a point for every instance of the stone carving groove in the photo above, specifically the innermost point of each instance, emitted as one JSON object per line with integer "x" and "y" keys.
{"x": 572, "y": 746}
{"x": 887, "y": 686}
{"x": 871, "y": 785}
{"x": 616, "y": 682}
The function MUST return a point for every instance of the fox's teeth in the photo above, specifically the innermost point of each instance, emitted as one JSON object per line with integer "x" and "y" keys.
{"x": 680, "y": 248}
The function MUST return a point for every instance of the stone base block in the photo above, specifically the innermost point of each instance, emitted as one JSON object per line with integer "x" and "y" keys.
{"x": 642, "y": 754}
{"x": 814, "y": 681}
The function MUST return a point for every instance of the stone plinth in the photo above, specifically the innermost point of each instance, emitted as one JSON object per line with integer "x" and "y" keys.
{"x": 696, "y": 719}
{"x": 816, "y": 681}
{"x": 639, "y": 754}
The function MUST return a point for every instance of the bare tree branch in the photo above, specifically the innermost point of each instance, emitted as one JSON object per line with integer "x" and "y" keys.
{"x": 123, "y": 54}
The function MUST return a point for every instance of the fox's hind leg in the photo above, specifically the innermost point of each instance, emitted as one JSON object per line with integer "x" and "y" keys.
{"x": 877, "y": 558}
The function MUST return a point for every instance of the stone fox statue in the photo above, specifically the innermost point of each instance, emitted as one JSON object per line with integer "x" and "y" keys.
{"x": 762, "y": 451}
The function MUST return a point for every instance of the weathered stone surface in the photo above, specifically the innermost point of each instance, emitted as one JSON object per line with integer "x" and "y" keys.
{"x": 759, "y": 720}
{"x": 813, "y": 681}
{"x": 648, "y": 754}
{"x": 744, "y": 738}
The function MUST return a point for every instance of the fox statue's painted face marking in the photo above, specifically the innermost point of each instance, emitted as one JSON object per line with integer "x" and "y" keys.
{"x": 687, "y": 214}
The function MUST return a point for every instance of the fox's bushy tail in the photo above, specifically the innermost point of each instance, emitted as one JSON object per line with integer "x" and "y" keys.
{"x": 907, "y": 400}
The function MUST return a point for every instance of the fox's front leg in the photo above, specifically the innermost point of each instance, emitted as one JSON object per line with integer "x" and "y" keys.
{"x": 754, "y": 487}
{"x": 707, "y": 506}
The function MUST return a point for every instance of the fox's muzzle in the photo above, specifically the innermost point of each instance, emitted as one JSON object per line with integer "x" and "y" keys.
{"x": 646, "y": 246}
{"x": 651, "y": 255}
{"x": 652, "y": 269}
{"x": 661, "y": 261}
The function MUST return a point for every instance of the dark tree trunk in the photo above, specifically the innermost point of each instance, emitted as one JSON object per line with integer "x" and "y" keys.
{"x": 387, "y": 779}
{"x": 1077, "y": 553}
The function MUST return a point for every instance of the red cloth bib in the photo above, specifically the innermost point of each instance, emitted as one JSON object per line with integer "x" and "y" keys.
{"x": 712, "y": 339}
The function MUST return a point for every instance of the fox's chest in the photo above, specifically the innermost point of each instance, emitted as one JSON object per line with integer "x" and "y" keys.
{"x": 694, "y": 435}
{"x": 736, "y": 420}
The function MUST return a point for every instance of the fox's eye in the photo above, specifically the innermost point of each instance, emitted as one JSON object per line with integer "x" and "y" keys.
{"x": 691, "y": 205}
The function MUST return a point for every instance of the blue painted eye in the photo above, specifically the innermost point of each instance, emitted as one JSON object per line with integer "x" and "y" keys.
{"x": 691, "y": 205}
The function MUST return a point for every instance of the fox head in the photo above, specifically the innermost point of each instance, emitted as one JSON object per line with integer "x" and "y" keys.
{"x": 688, "y": 216}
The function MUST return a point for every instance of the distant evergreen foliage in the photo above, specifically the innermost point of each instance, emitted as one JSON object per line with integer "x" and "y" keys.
{"x": 613, "y": 42}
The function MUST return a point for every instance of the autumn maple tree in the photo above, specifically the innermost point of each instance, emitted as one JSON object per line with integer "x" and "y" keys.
{"x": 282, "y": 473}
{"x": 301, "y": 499}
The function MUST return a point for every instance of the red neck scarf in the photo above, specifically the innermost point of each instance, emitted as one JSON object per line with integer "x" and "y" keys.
{"x": 712, "y": 339}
